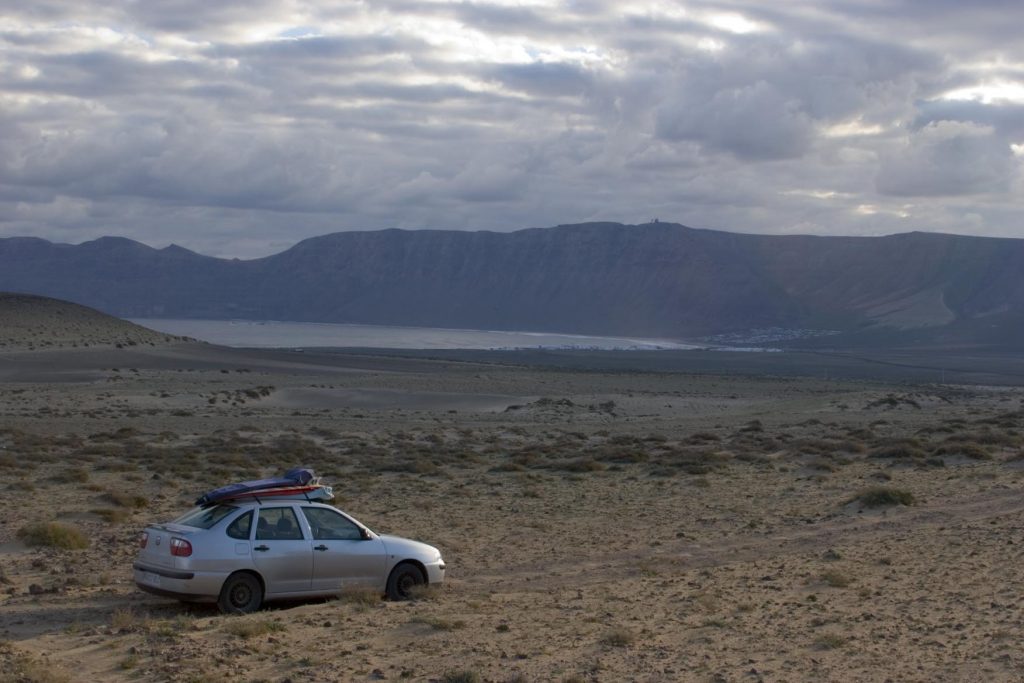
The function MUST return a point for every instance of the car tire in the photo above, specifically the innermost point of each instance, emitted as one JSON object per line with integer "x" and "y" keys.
{"x": 242, "y": 593}
{"x": 404, "y": 578}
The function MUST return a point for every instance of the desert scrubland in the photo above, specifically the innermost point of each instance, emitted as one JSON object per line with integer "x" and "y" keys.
{"x": 598, "y": 526}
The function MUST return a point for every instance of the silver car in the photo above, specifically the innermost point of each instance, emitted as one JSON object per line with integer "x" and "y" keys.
{"x": 241, "y": 554}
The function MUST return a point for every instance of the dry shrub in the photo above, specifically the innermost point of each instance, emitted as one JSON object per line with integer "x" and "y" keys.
{"x": 126, "y": 500}
{"x": 426, "y": 592}
{"x": 363, "y": 597}
{"x": 891, "y": 401}
{"x": 699, "y": 438}
{"x": 110, "y": 515}
{"x": 507, "y": 467}
{"x": 18, "y": 667}
{"x": 900, "y": 450}
{"x": 622, "y": 455}
{"x": 692, "y": 461}
{"x": 882, "y": 496}
{"x": 753, "y": 458}
{"x": 244, "y": 628}
{"x": 53, "y": 535}
{"x": 829, "y": 641}
{"x": 986, "y": 437}
{"x": 578, "y": 465}
{"x": 618, "y": 637}
{"x": 967, "y": 450}
{"x": 123, "y": 619}
{"x": 440, "y": 623}
{"x": 823, "y": 465}
{"x": 816, "y": 446}
{"x": 836, "y": 578}
{"x": 75, "y": 475}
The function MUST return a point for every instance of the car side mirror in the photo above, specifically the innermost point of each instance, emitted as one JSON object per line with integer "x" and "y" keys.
{"x": 365, "y": 534}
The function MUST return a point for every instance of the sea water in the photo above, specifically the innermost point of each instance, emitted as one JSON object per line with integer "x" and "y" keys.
{"x": 275, "y": 334}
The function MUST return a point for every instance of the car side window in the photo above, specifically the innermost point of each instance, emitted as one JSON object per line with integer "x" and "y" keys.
{"x": 241, "y": 526}
{"x": 328, "y": 525}
{"x": 278, "y": 524}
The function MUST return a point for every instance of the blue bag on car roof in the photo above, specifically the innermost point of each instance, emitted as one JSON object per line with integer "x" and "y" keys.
{"x": 296, "y": 476}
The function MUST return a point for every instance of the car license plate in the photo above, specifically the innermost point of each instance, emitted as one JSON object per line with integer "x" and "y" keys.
{"x": 151, "y": 579}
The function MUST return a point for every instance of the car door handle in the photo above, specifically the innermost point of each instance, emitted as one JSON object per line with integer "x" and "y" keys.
{"x": 320, "y": 547}
{"x": 261, "y": 548}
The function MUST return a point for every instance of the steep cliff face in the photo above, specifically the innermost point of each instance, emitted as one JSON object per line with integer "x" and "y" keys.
{"x": 654, "y": 280}
{"x": 904, "y": 281}
{"x": 593, "y": 278}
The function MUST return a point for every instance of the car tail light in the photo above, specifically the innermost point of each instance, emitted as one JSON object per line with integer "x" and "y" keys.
{"x": 180, "y": 547}
{"x": 143, "y": 539}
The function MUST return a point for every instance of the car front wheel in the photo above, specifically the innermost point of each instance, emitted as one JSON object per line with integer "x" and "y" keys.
{"x": 403, "y": 581}
{"x": 241, "y": 594}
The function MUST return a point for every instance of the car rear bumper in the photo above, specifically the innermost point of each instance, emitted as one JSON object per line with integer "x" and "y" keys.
{"x": 184, "y": 597}
{"x": 176, "y": 583}
{"x": 163, "y": 572}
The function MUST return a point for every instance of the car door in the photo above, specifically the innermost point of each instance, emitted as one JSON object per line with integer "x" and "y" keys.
{"x": 281, "y": 552}
{"x": 342, "y": 557}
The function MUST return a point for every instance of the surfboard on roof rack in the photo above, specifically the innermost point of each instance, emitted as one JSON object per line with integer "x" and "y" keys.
{"x": 297, "y": 482}
{"x": 309, "y": 493}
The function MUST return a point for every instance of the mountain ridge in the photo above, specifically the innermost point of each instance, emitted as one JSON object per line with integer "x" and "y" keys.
{"x": 656, "y": 279}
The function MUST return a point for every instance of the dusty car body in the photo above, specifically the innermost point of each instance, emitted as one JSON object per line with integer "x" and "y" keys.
{"x": 240, "y": 554}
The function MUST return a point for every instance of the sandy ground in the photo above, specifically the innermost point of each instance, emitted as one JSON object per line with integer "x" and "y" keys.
{"x": 598, "y": 526}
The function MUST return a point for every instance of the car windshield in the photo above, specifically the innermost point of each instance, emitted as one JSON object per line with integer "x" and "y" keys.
{"x": 204, "y": 518}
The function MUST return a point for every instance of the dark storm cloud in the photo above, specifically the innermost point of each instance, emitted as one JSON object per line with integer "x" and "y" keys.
{"x": 1008, "y": 119}
{"x": 947, "y": 159}
{"x": 560, "y": 80}
{"x": 194, "y": 16}
{"x": 240, "y": 127}
{"x": 504, "y": 19}
{"x": 306, "y": 51}
{"x": 752, "y": 122}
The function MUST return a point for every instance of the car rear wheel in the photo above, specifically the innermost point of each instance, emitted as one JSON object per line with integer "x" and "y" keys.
{"x": 241, "y": 594}
{"x": 403, "y": 581}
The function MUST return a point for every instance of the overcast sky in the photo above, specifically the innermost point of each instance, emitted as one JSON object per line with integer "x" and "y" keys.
{"x": 239, "y": 128}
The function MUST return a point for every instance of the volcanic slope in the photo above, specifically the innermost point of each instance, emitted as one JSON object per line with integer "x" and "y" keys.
{"x": 29, "y": 322}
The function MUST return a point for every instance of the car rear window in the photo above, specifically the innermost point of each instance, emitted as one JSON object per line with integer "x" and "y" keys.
{"x": 241, "y": 526}
{"x": 204, "y": 518}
